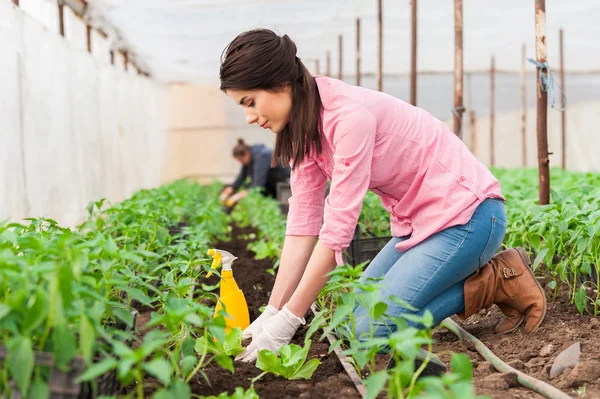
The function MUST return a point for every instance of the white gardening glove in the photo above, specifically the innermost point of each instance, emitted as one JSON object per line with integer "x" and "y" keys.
{"x": 255, "y": 328}
{"x": 224, "y": 195}
{"x": 234, "y": 199}
{"x": 276, "y": 332}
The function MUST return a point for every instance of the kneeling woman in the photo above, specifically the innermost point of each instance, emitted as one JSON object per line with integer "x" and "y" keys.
{"x": 446, "y": 208}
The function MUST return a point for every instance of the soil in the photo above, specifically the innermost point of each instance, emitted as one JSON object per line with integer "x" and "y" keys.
{"x": 329, "y": 380}
{"x": 532, "y": 354}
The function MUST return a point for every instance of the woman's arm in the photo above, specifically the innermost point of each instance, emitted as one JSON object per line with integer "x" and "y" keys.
{"x": 313, "y": 280}
{"x": 296, "y": 252}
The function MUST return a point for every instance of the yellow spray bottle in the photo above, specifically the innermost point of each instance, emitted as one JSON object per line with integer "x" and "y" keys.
{"x": 231, "y": 298}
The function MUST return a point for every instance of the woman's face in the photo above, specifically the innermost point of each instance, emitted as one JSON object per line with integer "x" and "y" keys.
{"x": 244, "y": 159}
{"x": 270, "y": 110}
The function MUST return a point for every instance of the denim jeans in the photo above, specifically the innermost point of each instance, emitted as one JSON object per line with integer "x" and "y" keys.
{"x": 432, "y": 274}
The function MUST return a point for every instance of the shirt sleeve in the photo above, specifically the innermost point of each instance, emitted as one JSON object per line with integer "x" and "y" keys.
{"x": 239, "y": 180}
{"x": 354, "y": 142}
{"x": 260, "y": 170}
{"x": 308, "y": 184}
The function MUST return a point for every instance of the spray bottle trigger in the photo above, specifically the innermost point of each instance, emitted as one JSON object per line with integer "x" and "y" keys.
{"x": 216, "y": 260}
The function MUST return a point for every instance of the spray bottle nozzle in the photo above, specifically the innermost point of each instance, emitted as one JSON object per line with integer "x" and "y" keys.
{"x": 220, "y": 257}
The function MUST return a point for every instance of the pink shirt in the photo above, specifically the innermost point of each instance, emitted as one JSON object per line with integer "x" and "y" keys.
{"x": 426, "y": 177}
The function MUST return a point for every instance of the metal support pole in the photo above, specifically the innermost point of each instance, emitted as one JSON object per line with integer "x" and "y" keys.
{"x": 542, "y": 105}
{"x": 379, "y": 46}
{"x": 413, "y": 55}
{"x": 524, "y": 106}
{"x": 317, "y": 67}
{"x": 328, "y": 64}
{"x": 562, "y": 104}
{"x": 458, "y": 66}
{"x": 357, "y": 51}
{"x": 492, "y": 111}
{"x": 61, "y": 18}
{"x": 340, "y": 57}
{"x": 88, "y": 35}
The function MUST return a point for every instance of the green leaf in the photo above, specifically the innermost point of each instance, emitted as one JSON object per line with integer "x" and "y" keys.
{"x": 379, "y": 310}
{"x": 130, "y": 256}
{"x": 307, "y": 370}
{"x": 188, "y": 363}
{"x": 292, "y": 354}
{"x": 124, "y": 315}
{"x": 233, "y": 342}
{"x": 64, "y": 344}
{"x": 269, "y": 362}
{"x": 375, "y": 383}
{"x": 552, "y": 284}
{"x": 20, "y": 362}
{"x": 180, "y": 390}
{"x": 39, "y": 389}
{"x": 87, "y": 338}
{"x": 194, "y": 319}
{"x": 160, "y": 369}
{"x": 539, "y": 258}
{"x": 138, "y": 295}
{"x": 224, "y": 361}
{"x": 461, "y": 365}
{"x": 4, "y": 310}
{"x": 110, "y": 246}
{"x": 581, "y": 299}
{"x": 98, "y": 369}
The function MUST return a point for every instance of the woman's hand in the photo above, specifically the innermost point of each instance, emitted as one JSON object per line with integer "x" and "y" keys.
{"x": 276, "y": 332}
{"x": 256, "y": 327}
{"x": 225, "y": 194}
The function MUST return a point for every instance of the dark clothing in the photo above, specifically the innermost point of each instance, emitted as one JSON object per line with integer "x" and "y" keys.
{"x": 260, "y": 171}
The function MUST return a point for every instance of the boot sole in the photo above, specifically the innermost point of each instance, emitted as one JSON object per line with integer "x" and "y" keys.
{"x": 527, "y": 262}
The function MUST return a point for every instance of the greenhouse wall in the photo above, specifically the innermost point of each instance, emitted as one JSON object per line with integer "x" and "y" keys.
{"x": 74, "y": 127}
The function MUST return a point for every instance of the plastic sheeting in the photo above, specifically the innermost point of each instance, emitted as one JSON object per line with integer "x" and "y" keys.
{"x": 182, "y": 40}
{"x": 74, "y": 129}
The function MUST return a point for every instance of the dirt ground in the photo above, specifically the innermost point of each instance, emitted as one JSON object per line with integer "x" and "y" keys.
{"x": 533, "y": 354}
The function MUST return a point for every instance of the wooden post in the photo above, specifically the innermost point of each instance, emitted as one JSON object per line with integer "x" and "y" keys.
{"x": 357, "y": 51}
{"x": 562, "y": 104}
{"x": 88, "y": 35}
{"x": 413, "y": 55}
{"x": 61, "y": 18}
{"x": 474, "y": 132}
{"x": 379, "y": 46}
{"x": 340, "y": 57}
{"x": 524, "y": 106}
{"x": 492, "y": 111}
{"x": 542, "y": 105}
{"x": 328, "y": 64}
{"x": 458, "y": 66}
{"x": 317, "y": 67}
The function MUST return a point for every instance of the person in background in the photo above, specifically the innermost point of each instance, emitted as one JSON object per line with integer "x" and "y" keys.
{"x": 256, "y": 163}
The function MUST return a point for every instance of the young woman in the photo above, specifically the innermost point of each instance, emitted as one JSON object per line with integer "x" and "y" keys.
{"x": 446, "y": 209}
{"x": 256, "y": 164}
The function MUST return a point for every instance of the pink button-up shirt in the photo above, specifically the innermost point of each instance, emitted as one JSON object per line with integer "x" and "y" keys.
{"x": 425, "y": 176}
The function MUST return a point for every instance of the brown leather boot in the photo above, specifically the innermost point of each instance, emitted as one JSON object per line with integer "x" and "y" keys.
{"x": 512, "y": 319}
{"x": 507, "y": 281}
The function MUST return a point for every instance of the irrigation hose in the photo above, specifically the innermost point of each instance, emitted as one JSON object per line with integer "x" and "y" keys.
{"x": 527, "y": 381}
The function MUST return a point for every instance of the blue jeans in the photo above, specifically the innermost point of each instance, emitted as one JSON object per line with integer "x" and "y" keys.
{"x": 432, "y": 274}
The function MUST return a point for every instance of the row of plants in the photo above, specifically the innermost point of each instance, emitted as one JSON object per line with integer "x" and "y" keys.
{"x": 335, "y": 305}
{"x": 70, "y": 294}
{"x": 564, "y": 235}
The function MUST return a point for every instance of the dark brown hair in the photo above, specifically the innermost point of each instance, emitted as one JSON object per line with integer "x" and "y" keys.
{"x": 261, "y": 60}
{"x": 241, "y": 148}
